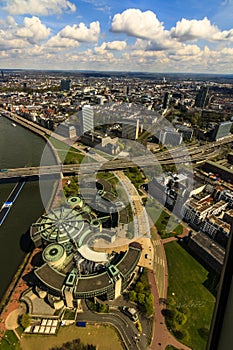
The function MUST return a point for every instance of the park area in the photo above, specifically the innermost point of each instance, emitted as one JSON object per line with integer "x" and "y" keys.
{"x": 167, "y": 224}
{"x": 190, "y": 304}
{"x": 103, "y": 336}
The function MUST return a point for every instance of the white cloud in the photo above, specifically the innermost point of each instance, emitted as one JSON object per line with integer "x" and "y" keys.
{"x": 33, "y": 30}
{"x": 149, "y": 31}
{"x": 38, "y": 7}
{"x": 11, "y": 21}
{"x": 116, "y": 45}
{"x": 81, "y": 33}
{"x": 59, "y": 42}
{"x": 186, "y": 30}
{"x": 152, "y": 35}
{"x": 22, "y": 36}
{"x": 188, "y": 50}
{"x": 134, "y": 22}
{"x": 8, "y": 42}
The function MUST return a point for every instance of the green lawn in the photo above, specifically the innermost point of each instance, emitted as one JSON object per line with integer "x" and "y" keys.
{"x": 104, "y": 336}
{"x": 166, "y": 224}
{"x": 188, "y": 296}
{"x": 9, "y": 341}
{"x": 67, "y": 154}
{"x": 135, "y": 175}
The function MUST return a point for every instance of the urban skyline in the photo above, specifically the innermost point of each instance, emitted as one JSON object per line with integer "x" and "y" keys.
{"x": 104, "y": 35}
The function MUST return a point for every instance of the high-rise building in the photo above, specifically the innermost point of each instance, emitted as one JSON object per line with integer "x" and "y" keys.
{"x": 166, "y": 100}
{"x": 202, "y": 97}
{"x": 65, "y": 84}
{"x": 170, "y": 137}
{"x": 87, "y": 119}
{"x": 130, "y": 129}
{"x": 221, "y": 130}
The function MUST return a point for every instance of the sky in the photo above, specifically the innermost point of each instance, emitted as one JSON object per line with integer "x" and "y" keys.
{"x": 114, "y": 35}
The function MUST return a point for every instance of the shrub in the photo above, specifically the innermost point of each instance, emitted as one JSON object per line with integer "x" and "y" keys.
{"x": 204, "y": 333}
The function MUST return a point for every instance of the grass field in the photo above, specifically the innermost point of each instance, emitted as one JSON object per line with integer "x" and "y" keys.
{"x": 9, "y": 341}
{"x": 187, "y": 294}
{"x": 166, "y": 224}
{"x": 105, "y": 337}
{"x": 67, "y": 154}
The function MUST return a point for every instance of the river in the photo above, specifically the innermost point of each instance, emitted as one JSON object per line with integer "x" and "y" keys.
{"x": 19, "y": 147}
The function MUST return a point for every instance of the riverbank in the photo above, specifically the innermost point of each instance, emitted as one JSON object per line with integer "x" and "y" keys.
{"x": 15, "y": 289}
{"x": 10, "y": 298}
{"x": 35, "y": 129}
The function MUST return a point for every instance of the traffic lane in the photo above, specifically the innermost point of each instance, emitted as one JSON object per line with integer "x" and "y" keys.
{"x": 127, "y": 333}
{"x": 143, "y": 337}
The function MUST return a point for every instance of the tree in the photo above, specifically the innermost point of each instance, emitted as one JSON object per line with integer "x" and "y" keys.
{"x": 139, "y": 287}
{"x": 149, "y": 301}
{"x": 25, "y": 320}
{"x": 103, "y": 308}
{"x": 141, "y": 298}
{"x": 132, "y": 296}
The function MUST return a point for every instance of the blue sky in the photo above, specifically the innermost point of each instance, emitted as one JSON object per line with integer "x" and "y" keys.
{"x": 141, "y": 35}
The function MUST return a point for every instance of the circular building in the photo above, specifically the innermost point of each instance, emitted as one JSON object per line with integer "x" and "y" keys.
{"x": 72, "y": 269}
{"x": 75, "y": 202}
{"x": 54, "y": 254}
{"x": 59, "y": 226}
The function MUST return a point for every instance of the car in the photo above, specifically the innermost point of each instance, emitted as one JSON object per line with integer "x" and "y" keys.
{"x": 130, "y": 312}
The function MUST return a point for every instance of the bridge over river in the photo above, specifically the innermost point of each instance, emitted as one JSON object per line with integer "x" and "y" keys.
{"x": 111, "y": 165}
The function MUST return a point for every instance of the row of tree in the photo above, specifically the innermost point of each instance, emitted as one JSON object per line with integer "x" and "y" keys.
{"x": 74, "y": 345}
{"x": 142, "y": 295}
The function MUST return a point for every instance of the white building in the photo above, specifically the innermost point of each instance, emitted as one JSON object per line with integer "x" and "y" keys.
{"x": 87, "y": 119}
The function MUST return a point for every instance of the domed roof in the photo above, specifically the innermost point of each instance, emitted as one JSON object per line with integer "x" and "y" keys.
{"x": 60, "y": 225}
{"x": 53, "y": 252}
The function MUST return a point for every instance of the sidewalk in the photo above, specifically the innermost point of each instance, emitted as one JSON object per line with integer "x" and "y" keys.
{"x": 7, "y": 320}
{"x": 162, "y": 337}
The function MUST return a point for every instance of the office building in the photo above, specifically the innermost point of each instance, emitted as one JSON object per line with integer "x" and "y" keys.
{"x": 186, "y": 132}
{"x": 70, "y": 268}
{"x": 170, "y": 137}
{"x": 65, "y": 84}
{"x": 166, "y": 100}
{"x": 66, "y": 130}
{"x": 130, "y": 129}
{"x": 202, "y": 99}
{"x": 221, "y": 130}
{"x": 87, "y": 119}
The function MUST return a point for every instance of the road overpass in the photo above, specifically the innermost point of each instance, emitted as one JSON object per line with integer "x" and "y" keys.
{"x": 201, "y": 154}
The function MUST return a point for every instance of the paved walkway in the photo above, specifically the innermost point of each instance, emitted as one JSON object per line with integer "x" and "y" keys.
{"x": 162, "y": 337}
{"x": 8, "y": 315}
{"x": 12, "y": 320}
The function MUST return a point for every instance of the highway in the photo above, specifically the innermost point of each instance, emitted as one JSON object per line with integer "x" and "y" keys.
{"x": 177, "y": 155}
{"x": 203, "y": 153}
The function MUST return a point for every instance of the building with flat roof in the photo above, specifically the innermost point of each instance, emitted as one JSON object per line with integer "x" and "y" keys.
{"x": 65, "y": 84}
{"x": 130, "y": 129}
{"x": 202, "y": 97}
{"x": 87, "y": 119}
{"x": 170, "y": 136}
{"x": 71, "y": 267}
{"x": 221, "y": 130}
{"x": 208, "y": 251}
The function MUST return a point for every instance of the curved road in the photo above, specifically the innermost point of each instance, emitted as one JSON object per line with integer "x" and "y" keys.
{"x": 124, "y": 326}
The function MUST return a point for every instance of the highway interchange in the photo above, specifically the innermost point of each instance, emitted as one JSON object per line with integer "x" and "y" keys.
{"x": 177, "y": 156}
